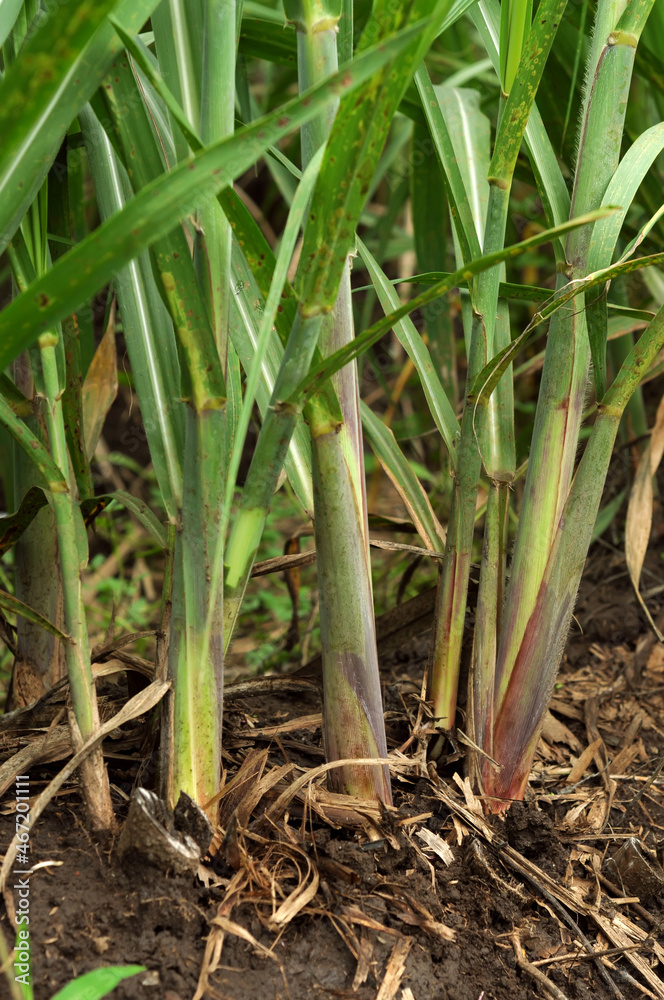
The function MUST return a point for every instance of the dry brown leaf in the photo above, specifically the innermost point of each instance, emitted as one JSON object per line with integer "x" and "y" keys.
{"x": 100, "y": 387}
{"x": 639, "y": 511}
{"x": 580, "y": 767}
{"x": 298, "y": 898}
{"x": 436, "y": 844}
{"x": 555, "y": 731}
{"x": 472, "y": 802}
{"x": 357, "y": 916}
{"x": 235, "y": 790}
{"x": 364, "y": 960}
{"x": 302, "y": 722}
{"x": 396, "y": 967}
{"x": 138, "y": 705}
{"x": 230, "y": 927}
{"x": 621, "y": 932}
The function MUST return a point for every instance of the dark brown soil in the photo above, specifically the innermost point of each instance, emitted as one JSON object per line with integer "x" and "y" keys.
{"x": 378, "y": 905}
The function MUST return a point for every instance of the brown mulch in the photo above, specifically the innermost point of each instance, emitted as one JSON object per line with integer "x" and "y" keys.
{"x": 306, "y": 895}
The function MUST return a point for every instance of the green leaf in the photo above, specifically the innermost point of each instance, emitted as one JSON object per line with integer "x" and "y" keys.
{"x": 149, "y": 337}
{"x": 400, "y": 471}
{"x": 57, "y": 70}
{"x": 202, "y": 374}
{"x": 622, "y": 189}
{"x": 262, "y": 39}
{"x": 354, "y": 145}
{"x": 9, "y": 10}
{"x": 336, "y": 361}
{"x": 97, "y": 984}
{"x": 15, "y": 607}
{"x": 488, "y": 378}
{"x": 258, "y": 346}
{"x": 439, "y": 405}
{"x": 33, "y": 447}
{"x": 431, "y": 238}
{"x": 460, "y": 206}
{"x": 13, "y": 525}
{"x": 550, "y": 181}
{"x": 79, "y": 274}
{"x": 470, "y": 133}
{"x": 139, "y": 509}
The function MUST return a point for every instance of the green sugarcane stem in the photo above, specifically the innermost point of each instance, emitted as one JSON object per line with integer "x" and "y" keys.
{"x": 72, "y": 399}
{"x": 217, "y": 122}
{"x": 453, "y": 589}
{"x": 488, "y": 615}
{"x": 316, "y": 22}
{"x": 37, "y": 545}
{"x": 192, "y": 723}
{"x": 265, "y": 469}
{"x": 196, "y": 648}
{"x": 519, "y": 714}
{"x": 353, "y": 715}
{"x": 567, "y": 358}
{"x": 28, "y": 261}
{"x": 94, "y": 779}
{"x": 453, "y": 585}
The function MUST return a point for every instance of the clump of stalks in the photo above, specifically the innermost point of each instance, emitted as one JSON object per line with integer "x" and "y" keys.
{"x": 522, "y": 620}
{"x": 163, "y": 122}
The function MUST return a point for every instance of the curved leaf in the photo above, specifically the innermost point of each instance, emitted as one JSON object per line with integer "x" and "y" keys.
{"x": 13, "y": 525}
{"x": 9, "y": 11}
{"x": 488, "y": 378}
{"x": 140, "y": 510}
{"x": 320, "y": 372}
{"x": 97, "y": 984}
{"x": 399, "y": 470}
{"x": 79, "y": 274}
{"x": 439, "y": 405}
{"x": 622, "y": 188}
{"x": 58, "y": 69}
{"x": 15, "y": 607}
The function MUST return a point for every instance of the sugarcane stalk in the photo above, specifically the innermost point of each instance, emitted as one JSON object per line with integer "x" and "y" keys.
{"x": 519, "y": 714}
{"x": 453, "y": 588}
{"x": 191, "y": 734}
{"x": 214, "y": 238}
{"x": 196, "y": 649}
{"x": 353, "y": 714}
{"x": 562, "y": 391}
{"x": 539, "y": 597}
{"x": 39, "y": 653}
{"x": 266, "y": 466}
{"x": 352, "y": 702}
{"x": 71, "y": 536}
{"x": 29, "y": 261}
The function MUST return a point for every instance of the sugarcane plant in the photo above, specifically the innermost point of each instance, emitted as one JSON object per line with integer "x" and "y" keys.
{"x": 163, "y": 121}
{"x": 175, "y": 310}
{"x": 523, "y": 615}
{"x": 161, "y": 145}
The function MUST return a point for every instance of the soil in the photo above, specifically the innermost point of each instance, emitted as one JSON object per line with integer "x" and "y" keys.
{"x": 361, "y": 905}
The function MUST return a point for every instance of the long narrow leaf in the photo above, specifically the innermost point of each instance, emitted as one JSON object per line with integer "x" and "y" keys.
{"x": 59, "y": 68}
{"x": 405, "y": 481}
{"x": 418, "y": 352}
{"x": 79, "y": 274}
{"x": 342, "y": 357}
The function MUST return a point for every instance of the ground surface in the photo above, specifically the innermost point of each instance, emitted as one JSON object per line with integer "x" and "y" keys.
{"x": 439, "y": 906}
